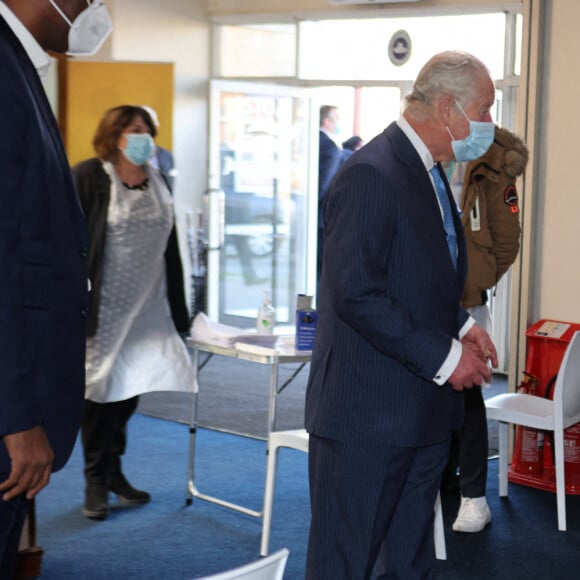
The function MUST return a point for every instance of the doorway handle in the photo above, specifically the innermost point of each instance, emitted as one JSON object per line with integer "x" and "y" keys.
{"x": 216, "y": 215}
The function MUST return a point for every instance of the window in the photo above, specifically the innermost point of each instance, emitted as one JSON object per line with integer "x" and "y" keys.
{"x": 258, "y": 50}
{"x": 356, "y": 49}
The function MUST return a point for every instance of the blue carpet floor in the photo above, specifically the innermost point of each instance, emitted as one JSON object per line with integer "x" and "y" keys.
{"x": 168, "y": 540}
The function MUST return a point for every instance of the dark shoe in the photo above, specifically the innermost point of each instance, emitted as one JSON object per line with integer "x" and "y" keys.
{"x": 96, "y": 502}
{"x": 126, "y": 492}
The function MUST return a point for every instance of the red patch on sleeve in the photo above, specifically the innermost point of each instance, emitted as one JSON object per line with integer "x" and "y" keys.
{"x": 510, "y": 196}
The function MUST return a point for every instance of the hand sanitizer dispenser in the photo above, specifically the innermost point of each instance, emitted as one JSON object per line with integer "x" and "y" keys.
{"x": 266, "y": 316}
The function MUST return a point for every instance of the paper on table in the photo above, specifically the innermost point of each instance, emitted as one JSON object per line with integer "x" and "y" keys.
{"x": 260, "y": 344}
{"x": 268, "y": 340}
{"x": 205, "y": 330}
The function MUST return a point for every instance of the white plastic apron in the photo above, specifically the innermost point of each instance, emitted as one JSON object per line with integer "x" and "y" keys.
{"x": 136, "y": 348}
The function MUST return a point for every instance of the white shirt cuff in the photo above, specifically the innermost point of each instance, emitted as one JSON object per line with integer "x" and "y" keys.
{"x": 449, "y": 364}
{"x": 466, "y": 327}
{"x": 452, "y": 360}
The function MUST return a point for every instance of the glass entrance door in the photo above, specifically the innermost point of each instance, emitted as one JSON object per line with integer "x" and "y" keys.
{"x": 261, "y": 140}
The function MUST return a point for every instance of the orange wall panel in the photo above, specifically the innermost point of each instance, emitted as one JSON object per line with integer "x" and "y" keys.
{"x": 87, "y": 89}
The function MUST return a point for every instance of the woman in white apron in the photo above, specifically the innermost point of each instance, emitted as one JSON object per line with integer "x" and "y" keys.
{"x": 137, "y": 304}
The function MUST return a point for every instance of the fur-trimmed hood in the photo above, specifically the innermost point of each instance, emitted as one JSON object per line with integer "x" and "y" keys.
{"x": 508, "y": 152}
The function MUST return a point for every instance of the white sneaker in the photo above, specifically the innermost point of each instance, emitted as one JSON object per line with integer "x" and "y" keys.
{"x": 473, "y": 515}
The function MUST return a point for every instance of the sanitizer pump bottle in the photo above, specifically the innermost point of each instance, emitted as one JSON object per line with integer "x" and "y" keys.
{"x": 266, "y": 316}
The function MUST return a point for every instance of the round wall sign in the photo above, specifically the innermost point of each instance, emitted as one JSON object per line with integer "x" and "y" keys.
{"x": 400, "y": 48}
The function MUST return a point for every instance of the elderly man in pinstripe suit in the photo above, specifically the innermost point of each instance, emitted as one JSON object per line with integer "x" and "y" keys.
{"x": 394, "y": 349}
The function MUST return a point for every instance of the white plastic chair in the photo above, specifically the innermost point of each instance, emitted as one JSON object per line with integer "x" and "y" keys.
{"x": 298, "y": 439}
{"x": 543, "y": 414}
{"x": 269, "y": 568}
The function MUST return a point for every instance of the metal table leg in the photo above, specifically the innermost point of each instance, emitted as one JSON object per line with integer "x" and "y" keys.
{"x": 192, "y": 490}
{"x": 192, "y": 431}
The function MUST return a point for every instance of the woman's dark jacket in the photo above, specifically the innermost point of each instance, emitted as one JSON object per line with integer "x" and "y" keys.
{"x": 94, "y": 191}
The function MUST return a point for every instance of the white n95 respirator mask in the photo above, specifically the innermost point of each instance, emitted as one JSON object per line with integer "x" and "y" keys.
{"x": 89, "y": 30}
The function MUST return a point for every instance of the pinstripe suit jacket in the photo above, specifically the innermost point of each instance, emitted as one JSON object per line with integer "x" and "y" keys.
{"x": 388, "y": 303}
{"x": 43, "y": 265}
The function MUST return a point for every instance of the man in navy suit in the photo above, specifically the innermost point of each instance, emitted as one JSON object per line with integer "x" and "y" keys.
{"x": 329, "y": 159}
{"x": 43, "y": 293}
{"x": 394, "y": 348}
{"x": 163, "y": 159}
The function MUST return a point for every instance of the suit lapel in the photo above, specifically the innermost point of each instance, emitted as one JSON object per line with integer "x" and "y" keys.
{"x": 45, "y": 110}
{"x": 38, "y": 93}
{"x": 421, "y": 201}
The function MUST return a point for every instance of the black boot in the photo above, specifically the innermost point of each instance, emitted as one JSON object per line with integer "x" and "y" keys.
{"x": 96, "y": 502}
{"x": 96, "y": 445}
{"x": 119, "y": 485}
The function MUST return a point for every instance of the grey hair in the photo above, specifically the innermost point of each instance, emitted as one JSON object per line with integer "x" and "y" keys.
{"x": 452, "y": 73}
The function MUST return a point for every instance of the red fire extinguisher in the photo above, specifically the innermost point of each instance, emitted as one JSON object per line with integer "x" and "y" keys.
{"x": 572, "y": 458}
{"x": 528, "y": 456}
{"x": 533, "y": 458}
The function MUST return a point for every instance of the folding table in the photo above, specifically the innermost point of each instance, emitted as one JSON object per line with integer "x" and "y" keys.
{"x": 279, "y": 354}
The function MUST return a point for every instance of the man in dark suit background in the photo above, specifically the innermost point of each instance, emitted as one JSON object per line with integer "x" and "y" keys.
{"x": 163, "y": 159}
{"x": 43, "y": 293}
{"x": 393, "y": 345}
{"x": 329, "y": 159}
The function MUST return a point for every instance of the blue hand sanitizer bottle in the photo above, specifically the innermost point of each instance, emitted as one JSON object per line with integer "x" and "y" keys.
{"x": 306, "y": 320}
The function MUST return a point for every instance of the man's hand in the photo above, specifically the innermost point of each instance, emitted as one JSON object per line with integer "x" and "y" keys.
{"x": 473, "y": 369}
{"x": 479, "y": 342}
{"x": 31, "y": 457}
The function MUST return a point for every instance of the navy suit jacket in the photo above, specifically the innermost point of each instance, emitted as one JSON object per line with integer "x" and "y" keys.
{"x": 43, "y": 265}
{"x": 388, "y": 303}
{"x": 166, "y": 165}
{"x": 329, "y": 159}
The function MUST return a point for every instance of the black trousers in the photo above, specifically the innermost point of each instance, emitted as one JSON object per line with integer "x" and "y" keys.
{"x": 104, "y": 438}
{"x": 469, "y": 447}
{"x": 12, "y": 516}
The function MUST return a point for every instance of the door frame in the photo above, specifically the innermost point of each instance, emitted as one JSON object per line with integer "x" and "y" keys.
{"x": 214, "y": 203}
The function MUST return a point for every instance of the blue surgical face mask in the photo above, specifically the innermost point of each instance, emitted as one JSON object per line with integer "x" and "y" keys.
{"x": 478, "y": 141}
{"x": 139, "y": 149}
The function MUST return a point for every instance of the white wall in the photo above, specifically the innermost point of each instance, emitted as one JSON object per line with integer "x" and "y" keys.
{"x": 557, "y": 257}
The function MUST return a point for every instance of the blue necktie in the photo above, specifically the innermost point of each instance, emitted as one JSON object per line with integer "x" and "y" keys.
{"x": 443, "y": 198}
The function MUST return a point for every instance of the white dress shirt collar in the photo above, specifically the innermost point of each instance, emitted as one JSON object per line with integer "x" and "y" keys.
{"x": 417, "y": 143}
{"x": 40, "y": 59}
{"x": 328, "y": 134}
